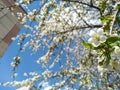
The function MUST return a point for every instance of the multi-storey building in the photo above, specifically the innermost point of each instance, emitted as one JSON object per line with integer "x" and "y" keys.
{"x": 9, "y": 24}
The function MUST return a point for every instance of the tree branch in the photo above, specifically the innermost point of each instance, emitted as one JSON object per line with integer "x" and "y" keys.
{"x": 90, "y": 5}
{"x": 78, "y": 28}
{"x": 113, "y": 22}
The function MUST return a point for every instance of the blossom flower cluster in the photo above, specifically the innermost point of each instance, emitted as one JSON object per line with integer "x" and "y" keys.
{"x": 113, "y": 65}
{"x": 26, "y": 83}
{"x": 97, "y": 37}
{"x": 57, "y": 28}
{"x": 17, "y": 60}
{"x": 117, "y": 52}
{"x": 25, "y": 1}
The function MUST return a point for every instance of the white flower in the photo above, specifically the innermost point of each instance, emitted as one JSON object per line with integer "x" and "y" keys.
{"x": 38, "y": 61}
{"x": 116, "y": 53}
{"x": 25, "y": 74}
{"x": 13, "y": 38}
{"x": 17, "y": 58}
{"x": 15, "y": 75}
{"x": 104, "y": 68}
{"x": 33, "y": 73}
{"x": 92, "y": 33}
{"x": 97, "y": 37}
{"x": 115, "y": 65}
{"x": 116, "y": 5}
{"x": 112, "y": 66}
{"x": 24, "y": 88}
{"x": 117, "y": 50}
{"x": 94, "y": 52}
{"x": 24, "y": 19}
{"x": 13, "y": 64}
{"x": 56, "y": 39}
{"x": 45, "y": 58}
{"x": 25, "y": 1}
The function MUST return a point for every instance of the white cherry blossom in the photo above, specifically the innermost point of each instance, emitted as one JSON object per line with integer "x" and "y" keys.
{"x": 97, "y": 37}
{"x": 117, "y": 50}
{"x": 115, "y": 65}
{"x": 116, "y": 53}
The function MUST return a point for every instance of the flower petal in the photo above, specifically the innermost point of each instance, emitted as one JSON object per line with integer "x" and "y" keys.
{"x": 100, "y": 31}
{"x": 102, "y": 39}
{"x": 90, "y": 40}
{"x": 117, "y": 50}
{"x": 92, "y": 33}
{"x": 96, "y": 44}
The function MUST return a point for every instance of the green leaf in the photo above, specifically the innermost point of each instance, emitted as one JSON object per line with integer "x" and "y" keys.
{"x": 108, "y": 57}
{"x": 87, "y": 45}
{"x": 107, "y": 18}
{"x": 112, "y": 39}
{"x": 117, "y": 43}
{"x": 90, "y": 46}
{"x": 103, "y": 5}
{"x": 118, "y": 6}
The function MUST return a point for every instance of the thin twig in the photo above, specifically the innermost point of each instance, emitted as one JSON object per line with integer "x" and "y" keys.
{"x": 71, "y": 29}
{"x": 113, "y": 22}
{"x": 90, "y": 5}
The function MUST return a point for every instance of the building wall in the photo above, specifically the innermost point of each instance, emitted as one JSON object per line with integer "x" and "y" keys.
{"x": 9, "y": 25}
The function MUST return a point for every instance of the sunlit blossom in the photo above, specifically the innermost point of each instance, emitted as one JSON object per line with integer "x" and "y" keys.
{"x": 56, "y": 29}
{"x": 115, "y": 65}
{"x": 97, "y": 37}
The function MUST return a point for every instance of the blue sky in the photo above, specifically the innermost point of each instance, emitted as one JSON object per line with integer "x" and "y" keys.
{"x": 27, "y": 64}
